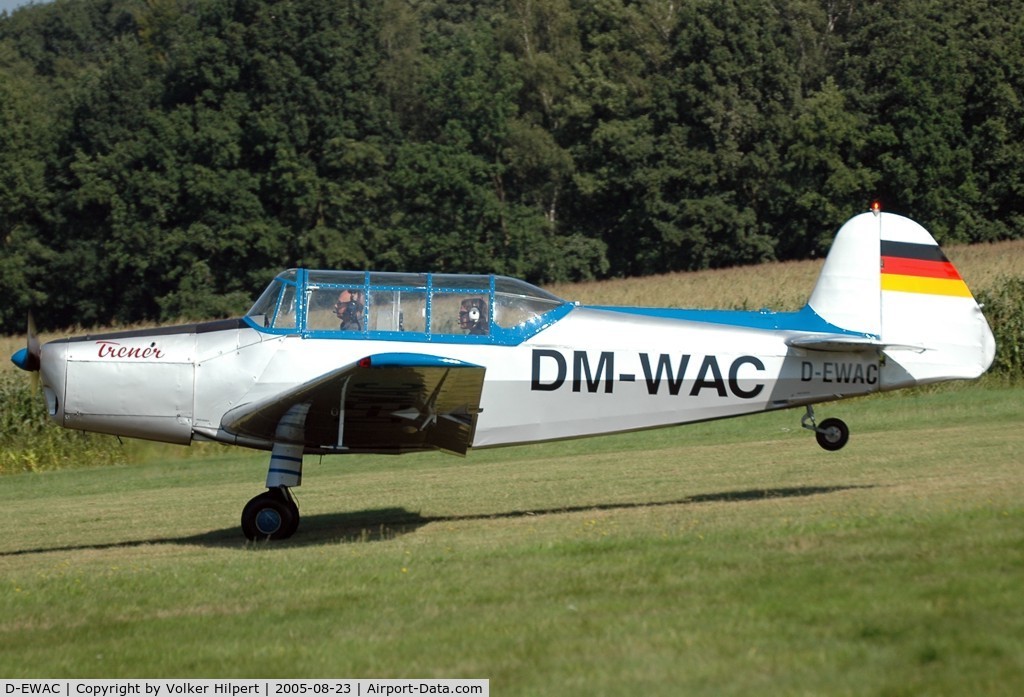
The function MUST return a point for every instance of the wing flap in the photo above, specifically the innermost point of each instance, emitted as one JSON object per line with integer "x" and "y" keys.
{"x": 385, "y": 403}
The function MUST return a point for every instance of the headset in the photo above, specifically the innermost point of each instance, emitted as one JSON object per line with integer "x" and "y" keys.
{"x": 471, "y": 315}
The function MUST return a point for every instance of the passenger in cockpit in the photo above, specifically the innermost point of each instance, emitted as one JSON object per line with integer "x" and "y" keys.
{"x": 349, "y": 309}
{"x": 473, "y": 316}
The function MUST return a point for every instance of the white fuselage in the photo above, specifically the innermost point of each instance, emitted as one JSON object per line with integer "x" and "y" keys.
{"x": 594, "y": 371}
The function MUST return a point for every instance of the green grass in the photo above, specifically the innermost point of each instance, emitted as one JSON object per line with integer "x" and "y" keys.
{"x": 727, "y": 558}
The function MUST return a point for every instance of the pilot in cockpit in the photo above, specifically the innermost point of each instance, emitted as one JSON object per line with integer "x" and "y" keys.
{"x": 473, "y": 316}
{"x": 349, "y": 309}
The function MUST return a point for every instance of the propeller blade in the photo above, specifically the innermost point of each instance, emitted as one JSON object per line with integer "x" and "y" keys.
{"x": 28, "y": 357}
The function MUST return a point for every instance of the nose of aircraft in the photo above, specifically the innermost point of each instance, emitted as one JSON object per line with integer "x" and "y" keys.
{"x": 49, "y": 362}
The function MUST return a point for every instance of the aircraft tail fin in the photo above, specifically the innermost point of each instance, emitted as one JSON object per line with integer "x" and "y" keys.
{"x": 886, "y": 279}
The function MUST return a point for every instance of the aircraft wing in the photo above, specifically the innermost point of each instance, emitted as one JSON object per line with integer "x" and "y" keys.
{"x": 845, "y": 343}
{"x": 385, "y": 403}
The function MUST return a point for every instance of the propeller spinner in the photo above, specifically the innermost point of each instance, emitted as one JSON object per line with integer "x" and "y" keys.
{"x": 28, "y": 357}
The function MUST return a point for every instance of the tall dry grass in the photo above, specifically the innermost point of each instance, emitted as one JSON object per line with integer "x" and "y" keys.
{"x": 778, "y": 286}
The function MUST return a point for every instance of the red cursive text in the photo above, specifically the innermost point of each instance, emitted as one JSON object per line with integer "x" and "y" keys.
{"x": 112, "y": 349}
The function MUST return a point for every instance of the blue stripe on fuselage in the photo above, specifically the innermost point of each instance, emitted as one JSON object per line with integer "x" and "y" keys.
{"x": 804, "y": 320}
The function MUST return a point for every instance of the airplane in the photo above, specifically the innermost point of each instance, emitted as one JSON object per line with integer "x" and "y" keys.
{"x": 351, "y": 362}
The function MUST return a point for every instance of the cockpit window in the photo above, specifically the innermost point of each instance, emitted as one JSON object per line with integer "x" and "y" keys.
{"x": 398, "y": 310}
{"x": 519, "y": 303}
{"x": 275, "y": 308}
{"x": 398, "y": 302}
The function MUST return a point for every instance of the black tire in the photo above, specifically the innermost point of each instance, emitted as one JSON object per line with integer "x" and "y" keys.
{"x": 270, "y": 516}
{"x": 832, "y": 434}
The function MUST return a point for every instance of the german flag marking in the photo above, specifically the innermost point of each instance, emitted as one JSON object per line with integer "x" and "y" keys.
{"x": 920, "y": 268}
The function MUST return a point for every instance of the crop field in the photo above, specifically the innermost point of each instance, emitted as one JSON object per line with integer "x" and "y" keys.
{"x": 731, "y": 557}
{"x": 779, "y": 286}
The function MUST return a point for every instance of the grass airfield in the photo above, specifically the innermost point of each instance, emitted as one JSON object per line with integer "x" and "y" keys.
{"x": 732, "y": 557}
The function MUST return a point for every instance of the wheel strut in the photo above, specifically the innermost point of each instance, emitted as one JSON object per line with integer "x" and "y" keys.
{"x": 274, "y": 515}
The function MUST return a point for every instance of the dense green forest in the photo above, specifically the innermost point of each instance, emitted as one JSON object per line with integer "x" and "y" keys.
{"x": 163, "y": 158}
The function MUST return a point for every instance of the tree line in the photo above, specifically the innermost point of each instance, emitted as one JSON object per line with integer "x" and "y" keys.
{"x": 162, "y": 159}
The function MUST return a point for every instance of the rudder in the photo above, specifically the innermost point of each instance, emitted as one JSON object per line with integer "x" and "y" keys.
{"x": 925, "y": 301}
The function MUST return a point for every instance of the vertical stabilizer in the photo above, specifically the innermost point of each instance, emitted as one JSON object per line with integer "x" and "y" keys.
{"x": 886, "y": 278}
{"x": 847, "y": 291}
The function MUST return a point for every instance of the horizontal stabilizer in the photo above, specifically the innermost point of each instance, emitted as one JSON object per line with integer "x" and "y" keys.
{"x": 845, "y": 343}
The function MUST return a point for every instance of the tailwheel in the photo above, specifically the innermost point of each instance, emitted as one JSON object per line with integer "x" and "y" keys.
{"x": 272, "y": 515}
{"x": 831, "y": 434}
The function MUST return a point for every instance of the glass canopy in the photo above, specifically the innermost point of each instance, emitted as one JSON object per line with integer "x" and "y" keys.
{"x": 404, "y": 306}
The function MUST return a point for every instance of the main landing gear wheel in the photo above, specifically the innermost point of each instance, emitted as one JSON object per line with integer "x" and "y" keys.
{"x": 832, "y": 434}
{"x": 273, "y": 515}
